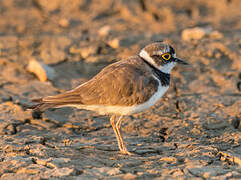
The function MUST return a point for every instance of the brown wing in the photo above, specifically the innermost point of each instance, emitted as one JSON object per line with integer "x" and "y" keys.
{"x": 121, "y": 84}
{"x": 124, "y": 84}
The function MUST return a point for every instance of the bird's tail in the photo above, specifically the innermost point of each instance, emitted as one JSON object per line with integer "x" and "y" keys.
{"x": 64, "y": 99}
{"x": 42, "y": 105}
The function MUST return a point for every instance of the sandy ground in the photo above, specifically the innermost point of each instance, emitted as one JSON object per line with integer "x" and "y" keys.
{"x": 193, "y": 132}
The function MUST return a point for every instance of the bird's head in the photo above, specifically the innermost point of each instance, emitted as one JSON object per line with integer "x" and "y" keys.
{"x": 161, "y": 55}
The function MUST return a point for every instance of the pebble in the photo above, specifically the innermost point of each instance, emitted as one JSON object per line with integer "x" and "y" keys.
{"x": 102, "y": 171}
{"x": 169, "y": 159}
{"x": 216, "y": 35}
{"x": 64, "y": 22}
{"x": 59, "y": 172}
{"x": 48, "y": 5}
{"x": 197, "y": 33}
{"x": 104, "y": 31}
{"x": 129, "y": 176}
{"x": 114, "y": 43}
{"x": 193, "y": 33}
{"x": 113, "y": 171}
{"x": 42, "y": 71}
{"x": 87, "y": 51}
{"x": 58, "y": 162}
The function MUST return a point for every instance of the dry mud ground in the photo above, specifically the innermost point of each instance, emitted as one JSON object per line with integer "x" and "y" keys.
{"x": 193, "y": 132}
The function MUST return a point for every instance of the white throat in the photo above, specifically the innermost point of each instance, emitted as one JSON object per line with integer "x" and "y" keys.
{"x": 166, "y": 68}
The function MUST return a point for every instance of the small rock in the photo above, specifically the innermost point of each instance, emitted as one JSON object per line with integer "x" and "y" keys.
{"x": 74, "y": 50}
{"x": 43, "y": 162}
{"x": 48, "y": 5}
{"x": 169, "y": 159}
{"x": 193, "y": 33}
{"x": 104, "y": 31}
{"x": 103, "y": 171}
{"x": 129, "y": 176}
{"x": 140, "y": 173}
{"x": 28, "y": 171}
{"x": 59, "y": 172}
{"x": 216, "y": 35}
{"x": 115, "y": 43}
{"x": 87, "y": 51}
{"x": 198, "y": 33}
{"x": 42, "y": 71}
{"x": 64, "y": 22}
{"x": 58, "y": 162}
{"x": 113, "y": 171}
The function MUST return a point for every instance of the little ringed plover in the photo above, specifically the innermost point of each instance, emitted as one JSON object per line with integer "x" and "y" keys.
{"x": 123, "y": 88}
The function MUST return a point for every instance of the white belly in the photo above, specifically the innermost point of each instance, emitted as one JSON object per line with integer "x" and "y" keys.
{"x": 125, "y": 110}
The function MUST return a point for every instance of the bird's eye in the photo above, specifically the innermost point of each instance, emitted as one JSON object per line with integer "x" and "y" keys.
{"x": 166, "y": 56}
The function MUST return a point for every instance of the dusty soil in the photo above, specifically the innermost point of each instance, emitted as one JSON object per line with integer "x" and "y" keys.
{"x": 193, "y": 132}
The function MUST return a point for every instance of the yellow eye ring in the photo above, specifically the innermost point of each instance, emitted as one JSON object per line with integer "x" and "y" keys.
{"x": 166, "y": 56}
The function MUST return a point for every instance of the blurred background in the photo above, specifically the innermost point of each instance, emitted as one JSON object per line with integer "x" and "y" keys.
{"x": 68, "y": 31}
{"x": 49, "y": 46}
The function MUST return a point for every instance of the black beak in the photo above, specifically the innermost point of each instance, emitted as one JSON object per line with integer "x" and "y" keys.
{"x": 180, "y": 61}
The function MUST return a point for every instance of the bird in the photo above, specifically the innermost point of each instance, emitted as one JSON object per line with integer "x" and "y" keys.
{"x": 126, "y": 87}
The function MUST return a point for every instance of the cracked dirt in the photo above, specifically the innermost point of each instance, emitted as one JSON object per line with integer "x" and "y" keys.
{"x": 193, "y": 132}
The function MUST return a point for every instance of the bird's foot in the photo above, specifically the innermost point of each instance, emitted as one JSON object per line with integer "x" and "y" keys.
{"x": 126, "y": 152}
